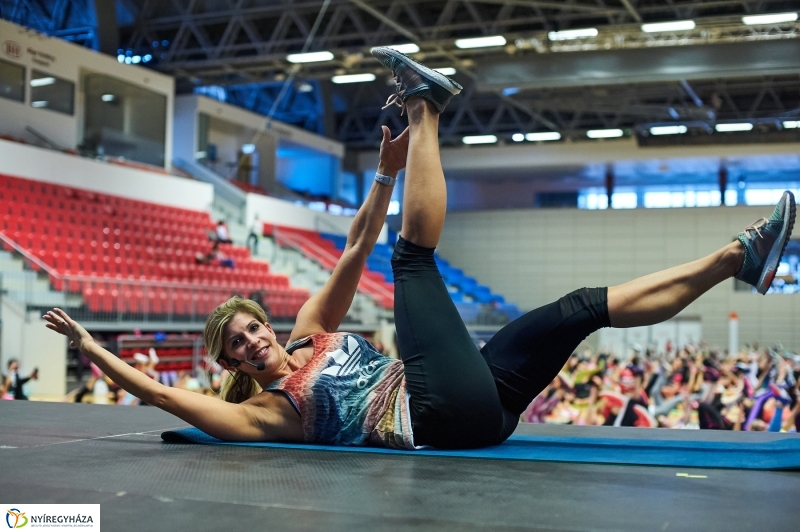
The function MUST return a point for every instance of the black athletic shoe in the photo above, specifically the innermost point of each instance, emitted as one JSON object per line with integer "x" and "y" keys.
{"x": 415, "y": 79}
{"x": 764, "y": 242}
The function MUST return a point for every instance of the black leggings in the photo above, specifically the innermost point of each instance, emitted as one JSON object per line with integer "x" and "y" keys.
{"x": 461, "y": 397}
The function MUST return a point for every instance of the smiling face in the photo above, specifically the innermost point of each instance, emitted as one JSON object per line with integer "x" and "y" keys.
{"x": 246, "y": 339}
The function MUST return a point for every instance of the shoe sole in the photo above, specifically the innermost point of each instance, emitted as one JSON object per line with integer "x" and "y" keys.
{"x": 775, "y": 254}
{"x": 440, "y": 79}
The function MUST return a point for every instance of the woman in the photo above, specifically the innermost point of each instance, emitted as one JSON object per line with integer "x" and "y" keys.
{"x": 327, "y": 387}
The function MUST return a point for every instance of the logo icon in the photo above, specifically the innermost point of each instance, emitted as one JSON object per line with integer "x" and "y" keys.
{"x": 12, "y": 49}
{"x": 17, "y": 515}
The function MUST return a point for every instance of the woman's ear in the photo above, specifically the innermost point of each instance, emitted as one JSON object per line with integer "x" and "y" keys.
{"x": 224, "y": 364}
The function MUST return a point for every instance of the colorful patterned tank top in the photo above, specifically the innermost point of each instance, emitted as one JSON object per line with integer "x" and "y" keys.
{"x": 350, "y": 394}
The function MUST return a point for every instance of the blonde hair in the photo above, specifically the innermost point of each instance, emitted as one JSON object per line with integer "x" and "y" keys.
{"x": 240, "y": 386}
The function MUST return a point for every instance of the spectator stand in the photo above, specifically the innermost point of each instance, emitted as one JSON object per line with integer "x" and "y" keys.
{"x": 130, "y": 261}
{"x": 312, "y": 244}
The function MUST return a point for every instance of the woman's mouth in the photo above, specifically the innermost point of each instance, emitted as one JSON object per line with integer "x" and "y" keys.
{"x": 261, "y": 353}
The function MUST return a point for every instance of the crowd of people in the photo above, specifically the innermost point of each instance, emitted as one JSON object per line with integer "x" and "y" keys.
{"x": 691, "y": 387}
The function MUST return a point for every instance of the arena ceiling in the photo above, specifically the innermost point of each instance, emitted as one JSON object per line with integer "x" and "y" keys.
{"x": 237, "y": 50}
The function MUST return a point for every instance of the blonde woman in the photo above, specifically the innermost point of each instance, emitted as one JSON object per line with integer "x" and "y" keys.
{"x": 335, "y": 388}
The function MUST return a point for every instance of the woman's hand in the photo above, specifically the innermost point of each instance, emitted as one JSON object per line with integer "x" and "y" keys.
{"x": 393, "y": 152}
{"x": 60, "y": 322}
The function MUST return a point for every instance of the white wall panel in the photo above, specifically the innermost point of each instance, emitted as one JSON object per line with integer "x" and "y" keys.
{"x": 559, "y": 250}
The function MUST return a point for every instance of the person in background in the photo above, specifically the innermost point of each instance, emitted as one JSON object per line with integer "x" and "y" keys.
{"x": 256, "y": 229}
{"x": 13, "y": 381}
{"x": 223, "y": 236}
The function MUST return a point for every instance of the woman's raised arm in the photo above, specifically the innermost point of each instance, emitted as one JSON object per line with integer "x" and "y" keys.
{"x": 325, "y": 311}
{"x": 228, "y": 421}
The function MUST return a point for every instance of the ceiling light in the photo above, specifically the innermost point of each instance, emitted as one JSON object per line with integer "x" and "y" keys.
{"x": 446, "y": 71}
{"x": 409, "y": 48}
{"x": 741, "y": 126}
{"x": 566, "y": 35}
{"x": 39, "y": 104}
{"x": 41, "y": 82}
{"x": 775, "y": 18}
{"x": 517, "y": 137}
{"x": 353, "y": 78}
{"x": 479, "y": 139}
{"x": 668, "y": 130}
{"x": 481, "y": 42}
{"x": 678, "y": 25}
{"x": 604, "y": 133}
{"x": 108, "y": 97}
{"x": 311, "y": 57}
{"x": 542, "y": 136}
{"x": 791, "y": 124}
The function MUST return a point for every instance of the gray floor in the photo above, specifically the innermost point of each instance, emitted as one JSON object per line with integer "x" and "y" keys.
{"x": 68, "y": 453}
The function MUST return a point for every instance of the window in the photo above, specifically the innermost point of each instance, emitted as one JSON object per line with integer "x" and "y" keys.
{"x": 50, "y": 92}
{"x": 124, "y": 120}
{"x": 599, "y": 200}
{"x": 12, "y": 81}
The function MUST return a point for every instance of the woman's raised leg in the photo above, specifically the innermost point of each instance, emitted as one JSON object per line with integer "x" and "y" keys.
{"x": 425, "y": 193}
{"x": 453, "y": 397}
{"x": 754, "y": 258}
{"x": 660, "y": 296}
{"x": 528, "y": 353}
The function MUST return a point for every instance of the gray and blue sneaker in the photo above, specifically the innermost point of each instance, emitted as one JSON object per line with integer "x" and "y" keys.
{"x": 415, "y": 79}
{"x": 764, "y": 242}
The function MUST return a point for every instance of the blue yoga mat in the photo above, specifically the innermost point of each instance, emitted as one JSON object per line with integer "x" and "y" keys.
{"x": 777, "y": 454}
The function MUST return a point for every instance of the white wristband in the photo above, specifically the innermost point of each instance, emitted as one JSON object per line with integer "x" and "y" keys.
{"x": 385, "y": 179}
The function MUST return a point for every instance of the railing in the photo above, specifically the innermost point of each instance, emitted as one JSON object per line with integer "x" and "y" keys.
{"x": 297, "y": 242}
{"x": 320, "y": 221}
{"x": 223, "y": 190}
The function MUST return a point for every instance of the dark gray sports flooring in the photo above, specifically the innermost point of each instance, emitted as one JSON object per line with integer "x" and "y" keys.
{"x": 113, "y": 455}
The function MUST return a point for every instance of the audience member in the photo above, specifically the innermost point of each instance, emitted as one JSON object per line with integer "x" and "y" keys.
{"x": 222, "y": 234}
{"x": 256, "y": 229}
{"x": 13, "y": 381}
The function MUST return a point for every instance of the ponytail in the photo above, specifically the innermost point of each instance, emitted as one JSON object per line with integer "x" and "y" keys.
{"x": 238, "y": 387}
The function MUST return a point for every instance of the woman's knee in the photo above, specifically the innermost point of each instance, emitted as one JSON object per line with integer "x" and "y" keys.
{"x": 409, "y": 258}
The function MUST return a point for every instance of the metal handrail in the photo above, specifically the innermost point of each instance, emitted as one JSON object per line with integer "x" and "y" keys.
{"x": 292, "y": 240}
{"x": 22, "y": 251}
{"x": 223, "y": 189}
{"x": 321, "y": 220}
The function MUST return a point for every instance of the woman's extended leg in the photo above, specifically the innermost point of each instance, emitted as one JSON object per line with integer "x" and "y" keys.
{"x": 528, "y": 353}
{"x": 453, "y": 397}
{"x": 753, "y": 258}
{"x": 660, "y": 296}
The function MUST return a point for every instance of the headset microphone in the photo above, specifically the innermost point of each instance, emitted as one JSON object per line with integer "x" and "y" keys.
{"x": 236, "y": 363}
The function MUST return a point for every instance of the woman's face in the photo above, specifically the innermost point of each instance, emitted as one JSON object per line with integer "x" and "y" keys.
{"x": 248, "y": 340}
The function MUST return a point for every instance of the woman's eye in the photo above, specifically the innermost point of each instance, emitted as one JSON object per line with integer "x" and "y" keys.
{"x": 253, "y": 327}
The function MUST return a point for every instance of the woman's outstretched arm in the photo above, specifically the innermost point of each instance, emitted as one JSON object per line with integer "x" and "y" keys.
{"x": 325, "y": 311}
{"x": 222, "y": 420}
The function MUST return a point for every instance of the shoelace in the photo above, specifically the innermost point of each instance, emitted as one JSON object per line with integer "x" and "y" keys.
{"x": 397, "y": 98}
{"x": 755, "y": 226}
